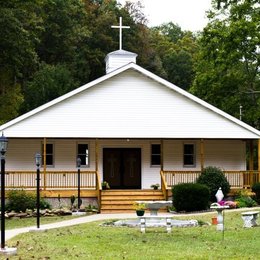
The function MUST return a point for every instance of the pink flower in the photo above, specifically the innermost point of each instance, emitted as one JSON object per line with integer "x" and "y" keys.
{"x": 231, "y": 204}
{"x": 221, "y": 203}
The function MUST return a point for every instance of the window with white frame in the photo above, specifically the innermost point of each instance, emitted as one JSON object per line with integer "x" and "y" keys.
{"x": 155, "y": 155}
{"x": 83, "y": 154}
{"x": 189, "y": 155}
{"x": 49, "y": 154}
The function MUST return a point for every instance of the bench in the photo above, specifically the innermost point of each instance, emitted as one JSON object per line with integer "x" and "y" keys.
{"x": 250, "y": 218}
{"x": 156, "y": 218}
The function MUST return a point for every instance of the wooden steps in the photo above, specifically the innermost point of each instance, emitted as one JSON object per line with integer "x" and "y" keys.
{"x": 121, "y": 201}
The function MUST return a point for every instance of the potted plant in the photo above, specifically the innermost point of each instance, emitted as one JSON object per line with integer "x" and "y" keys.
{"x": 155, "y": 186}
{"x": 139, "y": 208}
{"x": 105, "y": 185}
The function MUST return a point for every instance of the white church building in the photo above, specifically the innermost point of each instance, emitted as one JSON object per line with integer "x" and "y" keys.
{"x": 132, "y": 129}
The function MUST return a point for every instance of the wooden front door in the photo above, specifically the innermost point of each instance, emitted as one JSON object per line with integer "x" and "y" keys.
{"x": 122, "y": 167}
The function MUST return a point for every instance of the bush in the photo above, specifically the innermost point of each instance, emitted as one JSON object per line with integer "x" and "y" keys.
{"x": 214, "y": 178}
{"x": 243, "y": 200}
{"x": 256, "y": 190}
{"x": 190, "y": 197}
{"x": 20, "y": 200}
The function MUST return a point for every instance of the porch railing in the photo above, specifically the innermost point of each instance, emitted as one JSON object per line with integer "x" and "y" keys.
{"x": 236, "y": 179}
{"x": 52, "y": 180}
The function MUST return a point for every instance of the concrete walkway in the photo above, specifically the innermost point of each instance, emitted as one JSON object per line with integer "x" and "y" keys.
{"x": 75, "y": 221}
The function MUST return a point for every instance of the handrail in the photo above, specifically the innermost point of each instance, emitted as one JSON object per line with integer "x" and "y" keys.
{"x": 53, "y": 180}
{"x": 237, "y": 179}
{"x": 164, "y": 186}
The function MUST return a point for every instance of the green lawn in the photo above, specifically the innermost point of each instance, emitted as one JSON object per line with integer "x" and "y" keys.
{"x": 27, "y": 222}
{"x": 92, "y": 241}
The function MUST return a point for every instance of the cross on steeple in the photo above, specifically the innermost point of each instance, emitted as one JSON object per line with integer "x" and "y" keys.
{"x": 120, "y": 27}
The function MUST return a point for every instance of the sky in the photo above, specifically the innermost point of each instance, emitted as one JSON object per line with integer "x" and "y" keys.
{"x": 188, "y": 14}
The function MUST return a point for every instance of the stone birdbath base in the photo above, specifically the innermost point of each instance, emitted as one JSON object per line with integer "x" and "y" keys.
{"x": 219, "y": 209}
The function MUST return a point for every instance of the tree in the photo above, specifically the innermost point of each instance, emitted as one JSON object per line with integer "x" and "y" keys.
{"x": 11, "y": 97}
{"x": 20, "y": 26}
{"x": 49, "y": 82}
{"x": 177, "y": 50}
{"x": 227, "y": 70}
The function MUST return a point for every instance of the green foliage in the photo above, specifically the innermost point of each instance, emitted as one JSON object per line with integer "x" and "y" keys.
{"x": 243, "y": 200}
{"x": 72, "y": 200}
{"x": 227, "y": 68}
{"x": 48, "y": 83}
{"x": 177, "y": 50}
{"x": 11, "y": 96}
{"x": 214, "y": 178}
{"x": 256, "y": 190}
{"x": 190, "y": 197}
{"x": 20, "y": 200}
{"x": 91, "y": 208}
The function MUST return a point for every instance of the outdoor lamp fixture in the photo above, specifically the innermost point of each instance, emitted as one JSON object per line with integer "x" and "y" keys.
{"x": 38, "y": 159}
{"x": 3, "y": 148}
{"x": 78, "y": 166}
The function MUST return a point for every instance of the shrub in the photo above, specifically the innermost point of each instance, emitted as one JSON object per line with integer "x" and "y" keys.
{"x": 214, "y": 178}
{"x": 256, "y": 190}
{"x": 190, "y": 197}
{"x": 20, "y": 200}
{"x": 243, "y": 200}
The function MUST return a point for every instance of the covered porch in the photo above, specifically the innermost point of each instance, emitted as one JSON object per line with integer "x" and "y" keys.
{"x": 58, "y": 181}
{"x": 65, "y": 184}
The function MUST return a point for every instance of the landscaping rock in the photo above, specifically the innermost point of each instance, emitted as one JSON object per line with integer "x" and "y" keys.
{"x": 21, "y": 215}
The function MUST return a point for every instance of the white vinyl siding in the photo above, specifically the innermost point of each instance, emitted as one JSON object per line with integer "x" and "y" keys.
{"x": 128, "y": 105}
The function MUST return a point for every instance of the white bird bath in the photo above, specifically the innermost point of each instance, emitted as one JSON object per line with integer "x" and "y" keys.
{"x": 219, "y": 209}
{"x": 219, "y": 196}
{"x": 154, "y": 206}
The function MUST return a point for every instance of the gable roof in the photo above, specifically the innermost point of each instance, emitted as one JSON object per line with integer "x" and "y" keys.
{"x": 24, "y": 126}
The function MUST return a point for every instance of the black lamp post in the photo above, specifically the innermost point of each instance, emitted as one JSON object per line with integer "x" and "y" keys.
{"x": 78, "y": 166}
{"x": 38, "y": 158}
{"x": 3, "y": 148}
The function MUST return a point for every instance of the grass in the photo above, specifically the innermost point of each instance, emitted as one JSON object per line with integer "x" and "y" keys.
{"x": 93, "y": 241}
{"x": 27, "y": 222}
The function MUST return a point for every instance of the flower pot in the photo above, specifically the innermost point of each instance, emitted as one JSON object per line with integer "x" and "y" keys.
{"x": 140, "y": 213}
{"x": 214, "y": 221}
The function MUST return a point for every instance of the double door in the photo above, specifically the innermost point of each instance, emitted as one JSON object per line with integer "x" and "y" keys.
{"x": 122, "y": 167}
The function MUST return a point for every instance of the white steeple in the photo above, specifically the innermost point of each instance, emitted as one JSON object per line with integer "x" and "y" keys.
{"x": 117, "y": 59}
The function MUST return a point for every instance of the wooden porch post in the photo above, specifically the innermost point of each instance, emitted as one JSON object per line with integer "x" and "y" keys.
{"x": 96, "y": 156}
{"x": 98, "y": 183}
{"x": 44, "y": 163}
{"x": 202, "y": 154}
{"x": 161, "y": 155}
{"x": 251, "y": 155}
{"x": 251, "y": 164}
